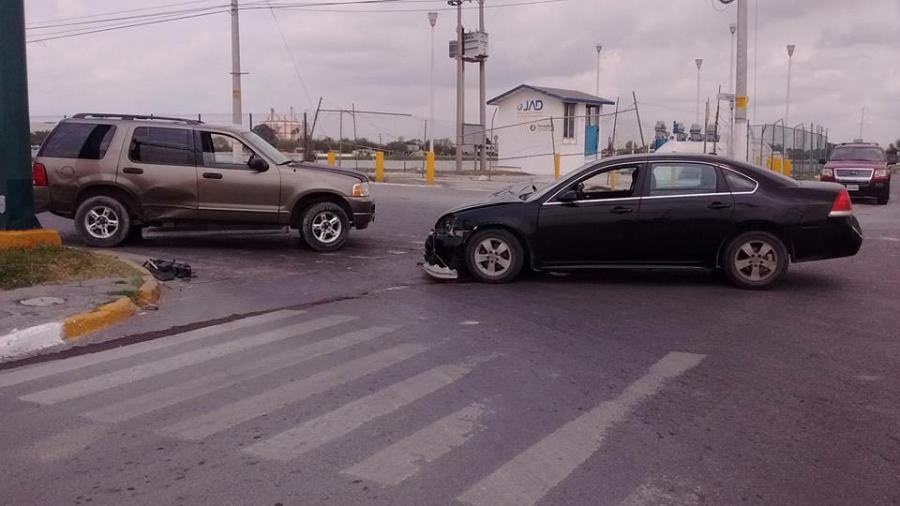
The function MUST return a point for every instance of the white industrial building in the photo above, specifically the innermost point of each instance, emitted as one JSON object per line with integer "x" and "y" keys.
{"x": 523, "y": 134}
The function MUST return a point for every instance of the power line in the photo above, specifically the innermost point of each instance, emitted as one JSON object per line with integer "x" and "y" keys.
{"x": 290, "y": 53}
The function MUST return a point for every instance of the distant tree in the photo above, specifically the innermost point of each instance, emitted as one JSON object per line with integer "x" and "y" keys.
{"x": 37, "y": 138}
{"x": 266, "y": 132}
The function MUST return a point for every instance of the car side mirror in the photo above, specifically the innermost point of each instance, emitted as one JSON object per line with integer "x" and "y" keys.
{"x": 258, "y": 164}
{"x": 822, "y": 161}
{"x": 567, "y": 196}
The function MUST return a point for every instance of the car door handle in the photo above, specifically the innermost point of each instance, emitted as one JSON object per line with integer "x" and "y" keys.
{"x": 132, "y": 170}
{"x": 719, "y": 205}
{"x": 212, "y": 175}
{"x": 621, "y": 210}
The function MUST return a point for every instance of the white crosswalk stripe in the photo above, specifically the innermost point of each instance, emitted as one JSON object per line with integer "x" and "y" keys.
{"x": 157, "y": 367}
{"x": 316, "y": 432}
{"x": 228, "y": 416}
{"x": 530, "y": 475}
{"x": 158, "y": 399}
{"x": 46, "y": 369}
{"x": 403, "y": 459}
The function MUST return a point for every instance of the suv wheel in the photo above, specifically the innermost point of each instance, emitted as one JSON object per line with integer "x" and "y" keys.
{"x": 755, "y": 260}
{"x": 325, "y": 226}
{"x": 494, "y": 256}
{"x": 884, "y": 197}
{"x": 102, "y": 222}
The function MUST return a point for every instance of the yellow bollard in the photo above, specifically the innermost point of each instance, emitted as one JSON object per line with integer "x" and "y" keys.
{"x": 788, "y": 168}
{"x": 331, "y": 158}
{"x": 776, "y": 165}
{"x": 556, "y": 160}
{"x": 379, "y": 166}
{"x": 429, "y": 168}
{"x": 612, "y": 180}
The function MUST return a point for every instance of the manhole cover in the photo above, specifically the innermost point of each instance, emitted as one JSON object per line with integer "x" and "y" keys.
{"x": 42, "y": 301}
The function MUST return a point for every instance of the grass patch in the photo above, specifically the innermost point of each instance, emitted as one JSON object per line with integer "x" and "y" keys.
{"x": 46, "y": 264}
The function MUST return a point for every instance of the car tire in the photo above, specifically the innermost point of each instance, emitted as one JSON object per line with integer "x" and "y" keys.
{"x": 884, "y": 197}
{"x": 325, "y": 227}
{"x": 755, "y": 260}
{"x": 102, "y": 222}
{"x": 494, "y": 256}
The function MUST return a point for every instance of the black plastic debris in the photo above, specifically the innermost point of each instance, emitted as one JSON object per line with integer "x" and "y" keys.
{"x": 167, "y": 270}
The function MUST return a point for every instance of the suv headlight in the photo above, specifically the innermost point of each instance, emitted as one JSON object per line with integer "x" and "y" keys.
{"x": 361, "y": 189}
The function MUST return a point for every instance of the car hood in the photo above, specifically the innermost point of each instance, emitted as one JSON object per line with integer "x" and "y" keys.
{"x": 331, "y": 170}
{"x": 493, "y": 201}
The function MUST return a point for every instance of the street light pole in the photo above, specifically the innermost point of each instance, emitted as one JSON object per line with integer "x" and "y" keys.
{"x": 482, "y": 98}
{"x": 740, "y": 90}
{"x": 432, "y": 20}
{"x": 460, "y": 84}
{"x": 599, "y": 48}
{"x": 699, "y": 62}
{"x": 730, "y": 151}
{"x": 787, "y": 98}
{"x": 236, "y": 114}
{"x": 16, "y": 192}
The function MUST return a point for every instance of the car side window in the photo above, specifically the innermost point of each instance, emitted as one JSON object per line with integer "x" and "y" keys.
{"x": 675, "y": 178}
{"x": 224, "y": 152}
{"x": 162, "y": 146}
{"x": 618, "y": 182}
{"x": 739, "y": 183}
{"x": 84, "y": 141}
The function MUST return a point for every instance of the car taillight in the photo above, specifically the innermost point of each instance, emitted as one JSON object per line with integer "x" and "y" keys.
{"x": 842, "y": 205}
{"x": 881, "y": 173}
{"x": 827, "y": 174}
{"x": 38, "y": 174}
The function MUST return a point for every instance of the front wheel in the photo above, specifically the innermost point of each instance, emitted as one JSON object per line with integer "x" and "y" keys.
{"x": 884, "y": 197}
{"x": 494, "y": 256}
{"x": 325, "y": 227}
{"x": 755, "y": 260}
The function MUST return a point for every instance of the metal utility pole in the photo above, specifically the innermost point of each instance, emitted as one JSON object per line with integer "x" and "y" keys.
{"x": 862, "y": 122}
{"x": 699, "y": 62}
{"x": 482, "y": 99}
{"x": 740, "y": 91}
{"x": 236, "y": 113}
{"x": 730, "y": 150}
{"x": 432, "y": 20}
{"x": 599, "y": 48}
{"x": 637, "y": 113}
{"x": 16, "y": 193}
{"x": 787, "y": 98}
{"x": 460, "y": 84}
{"x": 755, "y": 51}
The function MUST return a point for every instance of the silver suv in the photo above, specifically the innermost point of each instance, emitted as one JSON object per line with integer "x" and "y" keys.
{"x": 117, "y": 173}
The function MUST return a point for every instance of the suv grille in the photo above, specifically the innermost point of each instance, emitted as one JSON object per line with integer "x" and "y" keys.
{"x": 854, "y": 174}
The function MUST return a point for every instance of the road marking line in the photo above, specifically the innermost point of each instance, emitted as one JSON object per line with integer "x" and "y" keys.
{"x": 149, "y": 369}
{"x": 204, "y": 385}
{"x": 530, "y": 475}
{"x": 70, "y": 364}
{"x": 66, "y": 444}
{"x": 314, "y": 433}
{"x": 215, "y": 421}
{"x": 403, "y": 459}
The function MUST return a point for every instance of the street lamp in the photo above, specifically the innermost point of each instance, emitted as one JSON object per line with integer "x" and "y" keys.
{"x": 699, "y": 62}
{"x": 730, "y": 151}
{"x": 432, "y": 20}
{"x": 787, "y": 98}
{"x": 599, "y": 48}
{"x": 460, "y": 82}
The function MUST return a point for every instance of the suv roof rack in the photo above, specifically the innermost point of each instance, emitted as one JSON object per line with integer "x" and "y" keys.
{"x": 88, "y": 115}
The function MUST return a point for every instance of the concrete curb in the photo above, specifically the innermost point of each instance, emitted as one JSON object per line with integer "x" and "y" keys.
{"x": 70, "y": 330}
{"x": 10, "y": 239}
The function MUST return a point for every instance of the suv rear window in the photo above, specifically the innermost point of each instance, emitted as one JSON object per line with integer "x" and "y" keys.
{"x": 162, "y": 146}
{"x": 86, "y": 141}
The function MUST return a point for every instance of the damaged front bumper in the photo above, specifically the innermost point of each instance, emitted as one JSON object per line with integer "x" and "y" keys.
{"x": 438, "y": 263}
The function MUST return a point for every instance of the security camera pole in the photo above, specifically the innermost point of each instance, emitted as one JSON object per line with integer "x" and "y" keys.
{"x": 16, "y": 193}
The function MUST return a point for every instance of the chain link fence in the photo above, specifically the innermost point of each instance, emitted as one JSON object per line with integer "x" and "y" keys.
{"x": 793, "y": 151}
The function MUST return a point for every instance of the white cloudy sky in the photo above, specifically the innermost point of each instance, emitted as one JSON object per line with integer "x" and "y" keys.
{"x": 846, "y": 59}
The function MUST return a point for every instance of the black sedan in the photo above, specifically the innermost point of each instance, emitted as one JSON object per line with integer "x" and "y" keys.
{"x": 650, "y": 211}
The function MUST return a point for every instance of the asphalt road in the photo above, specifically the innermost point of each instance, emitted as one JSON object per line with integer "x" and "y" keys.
{"x": 381, "y": 387}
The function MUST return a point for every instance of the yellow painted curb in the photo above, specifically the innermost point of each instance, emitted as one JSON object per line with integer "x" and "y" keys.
{"x": 149, "y": 292}
{"x": 101, "y": 317}
{"x": 10, "y": 239}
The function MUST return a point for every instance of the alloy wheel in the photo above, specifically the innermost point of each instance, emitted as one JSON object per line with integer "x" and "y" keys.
{"x": 756, "y": 260}
{"x": 493, "y": 257}
{"x": 327, "y": 227}
{"x": 101, "y": 222}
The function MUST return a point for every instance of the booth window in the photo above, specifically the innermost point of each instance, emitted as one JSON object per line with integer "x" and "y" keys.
{"x": 568, "y": 121}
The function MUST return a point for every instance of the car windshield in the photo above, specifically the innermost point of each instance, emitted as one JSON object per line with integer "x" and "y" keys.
{"x": 270, "y": 151}
{"x": 866, "y": 154}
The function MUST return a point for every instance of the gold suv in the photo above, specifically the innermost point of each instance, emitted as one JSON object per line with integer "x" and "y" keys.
{"x": 116, "y": 173}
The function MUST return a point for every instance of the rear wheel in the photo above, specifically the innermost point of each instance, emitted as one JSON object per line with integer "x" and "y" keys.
{"x": 325, "y": 227}
{"x": 102, "y": 222}
{"x": 884, "y": 197}
{"x": 755, "y": 260}
{"x": 494, "y": 256}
